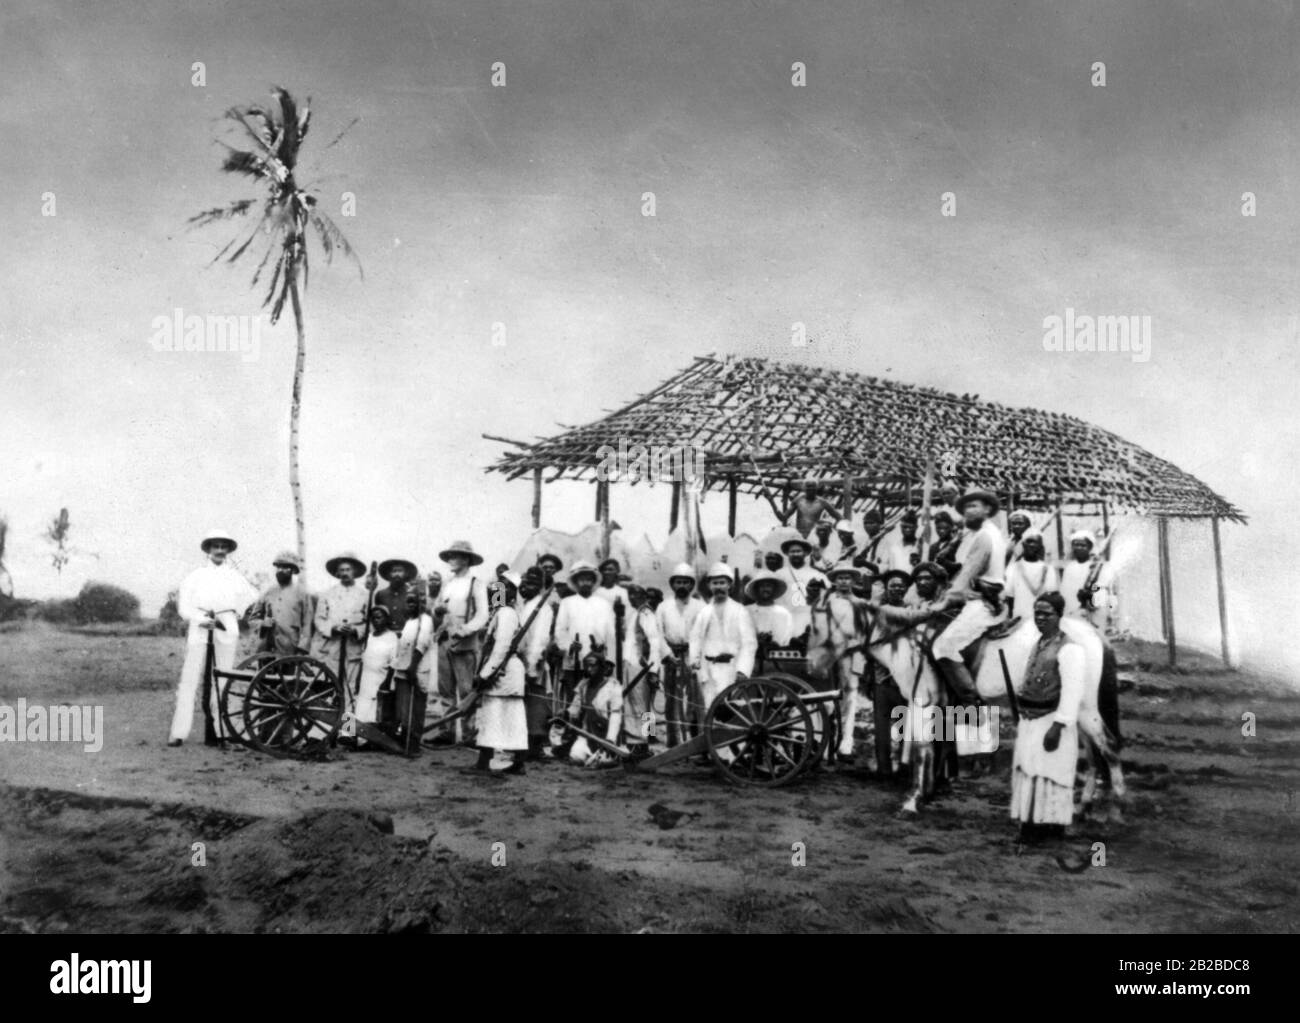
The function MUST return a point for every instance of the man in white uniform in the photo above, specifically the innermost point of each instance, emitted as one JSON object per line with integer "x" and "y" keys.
{"x": 537, "y": 613}
{"x": 643, "y": 647}
{"x": 213, "y": 599}
{"x": 461, "y": 612}
{"x": 977, "y": 589}
{"x": 901, "y": 551}
{"x": 773, "y": 623}
{"x": 584, "y": 622}
{"x": 1087, "y": 582}
{"x": 797, "y": 575}
{"x": 377, "y": 660}
{"x": 341, "y": 617}
{"x": 676, "y": 617}
{"x": 723, "y": 641}
{"x": 1029, "y": 576}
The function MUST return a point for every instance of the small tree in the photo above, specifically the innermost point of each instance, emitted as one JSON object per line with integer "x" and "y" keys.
{"x": 57, "y": 534}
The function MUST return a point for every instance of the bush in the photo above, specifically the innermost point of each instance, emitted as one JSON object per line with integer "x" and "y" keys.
{"x": 59, "y": 612}
{"x": 97, "y": 602}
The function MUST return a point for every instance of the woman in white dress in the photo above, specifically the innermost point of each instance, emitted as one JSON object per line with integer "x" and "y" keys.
{"x": 501, "y": 719}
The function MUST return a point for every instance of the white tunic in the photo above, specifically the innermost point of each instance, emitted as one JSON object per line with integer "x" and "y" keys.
{"x": 642, "y": 642}
{"x": 417, "y": 634}
{"x": 1073, "y": 578}
{"x": 1028, "y": 580}
{"x": 533, "y": 644}
{"x": 722, "y": 629}
{"x": 676, "y": 619}
{"x": 582, "y": 618}
{"x": 218, "y": 588}
{"x": 775, "y": 620}
{"x": 338, "y": 606}
{"x": 795, "y": 597}
{"x": 613, "y": 594}
{"x": 463, "y": 615}
{"x": 896, "y": 555}
{"x": 501, "y": 719}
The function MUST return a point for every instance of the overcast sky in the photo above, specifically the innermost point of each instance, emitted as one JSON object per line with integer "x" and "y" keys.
{"x": 523, "y": 206}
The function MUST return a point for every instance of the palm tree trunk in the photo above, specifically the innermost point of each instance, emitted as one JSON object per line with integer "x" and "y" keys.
{"x": 295, "y": 414}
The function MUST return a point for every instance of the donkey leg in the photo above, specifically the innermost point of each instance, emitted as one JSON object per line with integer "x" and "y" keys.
{"x": 1089, "y": 792}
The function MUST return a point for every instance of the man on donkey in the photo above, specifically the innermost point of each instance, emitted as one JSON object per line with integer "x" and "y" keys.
{"x": 977, "y": 590}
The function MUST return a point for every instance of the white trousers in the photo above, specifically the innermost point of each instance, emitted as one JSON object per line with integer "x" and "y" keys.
{"x": 196, "y": 652}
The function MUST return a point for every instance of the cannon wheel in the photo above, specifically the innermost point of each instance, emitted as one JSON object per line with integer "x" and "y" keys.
{"x": 290, "y": 701}
{"x": 822, "y": 713}
{"x": 760, "y": 733}
{"x": 236, "y": 689}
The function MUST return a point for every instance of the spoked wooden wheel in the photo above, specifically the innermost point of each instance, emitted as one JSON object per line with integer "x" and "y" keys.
{"x": 235, "y": 690}
{"x": 822, "y": 713}
{"x": 290, "y": 702}
{"x": 760, "y": 733}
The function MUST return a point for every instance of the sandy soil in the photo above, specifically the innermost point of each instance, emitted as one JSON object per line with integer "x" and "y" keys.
{"x": 369, "y": 842}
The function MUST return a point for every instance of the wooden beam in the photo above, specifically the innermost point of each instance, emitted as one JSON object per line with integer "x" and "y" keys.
{"x": 1105, "y": 529}
{"x": 1060, "y": 528}
{"x": 848, "y": 496}
{"x": 676, "y": 505}
{"x": 1166, "y": 584}
{"x": 731, "y": 507}
{"x": 1223, "y": 593}
{"x": 604, "y": 519}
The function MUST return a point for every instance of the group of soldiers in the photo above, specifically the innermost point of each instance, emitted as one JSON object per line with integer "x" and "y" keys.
{"x": 576, "y": 662}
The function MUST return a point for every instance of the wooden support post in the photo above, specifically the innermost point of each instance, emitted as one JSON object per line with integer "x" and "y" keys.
{"x": 676, "y": 507}
{"x": 1223, "y": 593}
{"x": 1167, "y": 584}
{"x": 604, "y": 520}
{"x": 848, "y": 498}
{"x": 731, "y": 506}
{"x": 1105, "y": 528}
{"x": 537, "y": 497}
{"x": 1060, "y": 530}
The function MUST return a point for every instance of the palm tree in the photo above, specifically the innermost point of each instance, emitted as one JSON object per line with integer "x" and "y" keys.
{"x": 6, "y": 581}
{"x": 286, "y": 214}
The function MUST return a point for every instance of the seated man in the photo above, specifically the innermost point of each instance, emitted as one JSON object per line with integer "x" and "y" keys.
{"x": 597, "y": 707}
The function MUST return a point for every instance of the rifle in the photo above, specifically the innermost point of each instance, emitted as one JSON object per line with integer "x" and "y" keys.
{"x": 491, "y": 680}
{"x": 213, "y": 727}
{"x": 1094, "y": 573}
{"x": 1011, "y": 691}
{"x": 618, "y": 635}
{"x": 372, "y": 581}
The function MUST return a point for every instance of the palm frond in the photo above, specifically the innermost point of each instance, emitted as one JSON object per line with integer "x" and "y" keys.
{"x": 240, "y": 161}
{"x": 235, "y": 209}
{"x": 332, "y": 238}
{"x": 289, "y": 140}
{"x": 265, "y": 137}
{"x": 346, "y": 129}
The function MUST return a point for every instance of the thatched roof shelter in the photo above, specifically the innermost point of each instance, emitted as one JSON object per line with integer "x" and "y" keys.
{"x": 763, "y": 425}
{"x": 759, "y": 426}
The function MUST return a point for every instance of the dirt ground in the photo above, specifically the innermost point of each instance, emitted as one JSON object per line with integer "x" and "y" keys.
{"x": 92, "y": 842}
